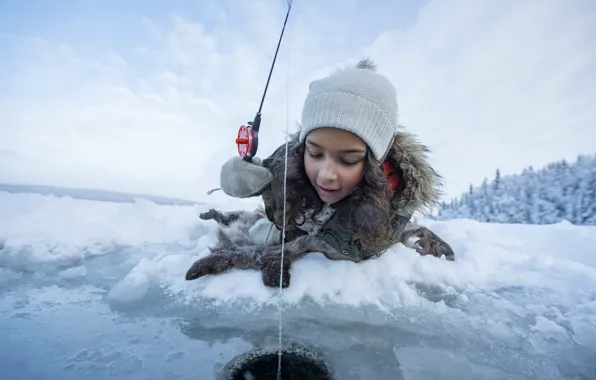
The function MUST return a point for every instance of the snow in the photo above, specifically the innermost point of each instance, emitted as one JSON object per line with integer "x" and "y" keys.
{"x": 96, "y": 290}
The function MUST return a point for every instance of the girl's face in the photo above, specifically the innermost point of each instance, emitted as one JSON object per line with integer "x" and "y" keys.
{"x": 334, "y": 162}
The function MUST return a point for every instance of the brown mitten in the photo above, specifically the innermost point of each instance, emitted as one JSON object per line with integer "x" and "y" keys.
{"x": 270, "y": 272}
{"x": 212, "y": 264}
{"x": 428, "y": 243}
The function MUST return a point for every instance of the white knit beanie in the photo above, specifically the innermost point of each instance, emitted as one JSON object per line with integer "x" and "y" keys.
{"x": 358, "y": 100}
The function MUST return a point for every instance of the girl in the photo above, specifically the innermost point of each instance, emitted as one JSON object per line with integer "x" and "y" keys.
{"x": 354, "y": 181}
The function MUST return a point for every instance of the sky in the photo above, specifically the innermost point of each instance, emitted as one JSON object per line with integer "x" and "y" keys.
{"x": 148, "y": 96}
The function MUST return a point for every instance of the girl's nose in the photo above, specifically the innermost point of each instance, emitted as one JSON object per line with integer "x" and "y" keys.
{"x": 328, "y": 172}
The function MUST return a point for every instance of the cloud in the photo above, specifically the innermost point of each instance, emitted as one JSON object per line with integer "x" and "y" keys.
{"x": 496, "y": 84}
{"x": 485, "y": 84}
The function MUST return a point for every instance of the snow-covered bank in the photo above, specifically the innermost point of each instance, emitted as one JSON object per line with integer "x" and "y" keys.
{"x": 84, "y": 283}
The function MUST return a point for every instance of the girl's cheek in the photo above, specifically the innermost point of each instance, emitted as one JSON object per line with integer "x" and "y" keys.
{"x": 353, "y": 179}
{"x": 309, "y": 168}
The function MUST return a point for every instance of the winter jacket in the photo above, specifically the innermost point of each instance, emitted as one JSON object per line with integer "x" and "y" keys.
{"x": 418, "y": 192}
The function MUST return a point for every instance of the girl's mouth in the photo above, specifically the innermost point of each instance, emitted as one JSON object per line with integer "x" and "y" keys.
{"x": 326, "y": 191}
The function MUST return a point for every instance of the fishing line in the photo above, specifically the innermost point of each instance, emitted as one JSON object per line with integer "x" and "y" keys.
{"x": 283, "y": 232}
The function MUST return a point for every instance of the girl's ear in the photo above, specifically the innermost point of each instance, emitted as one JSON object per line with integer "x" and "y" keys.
{"x": 392, "y": 177}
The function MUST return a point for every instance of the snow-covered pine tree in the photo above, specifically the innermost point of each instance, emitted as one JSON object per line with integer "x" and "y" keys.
{"x": 559, "y": 191}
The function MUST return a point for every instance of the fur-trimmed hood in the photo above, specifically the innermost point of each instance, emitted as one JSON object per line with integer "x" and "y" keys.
{"x": 420, "y": 184}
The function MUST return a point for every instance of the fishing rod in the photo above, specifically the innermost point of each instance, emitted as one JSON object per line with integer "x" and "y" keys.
{"x": 248, "y": 136}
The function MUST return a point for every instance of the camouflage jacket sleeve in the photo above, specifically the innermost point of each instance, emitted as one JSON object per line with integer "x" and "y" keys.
{"x": 348, "y": 248}
{"x": 276, "y": 165}
{"x": 276, "y": 161}
{"x": 402, "y": 224}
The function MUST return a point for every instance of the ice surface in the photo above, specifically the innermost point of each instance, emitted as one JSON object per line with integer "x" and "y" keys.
{"x": 96, "y": 290}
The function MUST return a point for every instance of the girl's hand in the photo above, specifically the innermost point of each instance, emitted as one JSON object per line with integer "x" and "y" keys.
{"x": 243, "y": 179}
{"x": 429, "y": 243}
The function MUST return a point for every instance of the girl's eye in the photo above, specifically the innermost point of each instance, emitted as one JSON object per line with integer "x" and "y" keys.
{"x": 317, "y": 156}
{"x": 313, "y": 155}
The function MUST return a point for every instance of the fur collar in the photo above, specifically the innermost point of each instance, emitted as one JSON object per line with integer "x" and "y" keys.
{"x": 421, "y": 184}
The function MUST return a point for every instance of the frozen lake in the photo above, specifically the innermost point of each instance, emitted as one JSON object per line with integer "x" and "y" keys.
{"x": 96, "y": 290}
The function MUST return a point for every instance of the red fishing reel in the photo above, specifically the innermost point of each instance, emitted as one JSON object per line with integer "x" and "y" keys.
{"x": 248, "y": 139}
{"x": 247, "y": 142}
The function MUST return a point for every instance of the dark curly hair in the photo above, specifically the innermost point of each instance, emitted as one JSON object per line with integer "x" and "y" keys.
{"x": 366, "y": 211}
